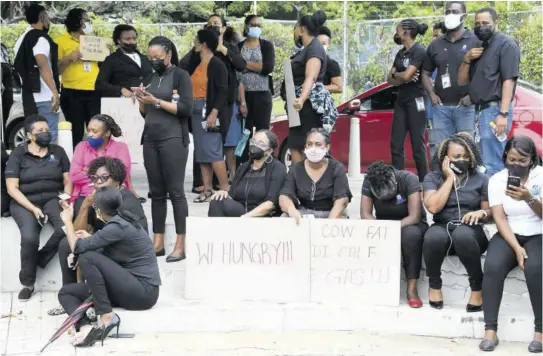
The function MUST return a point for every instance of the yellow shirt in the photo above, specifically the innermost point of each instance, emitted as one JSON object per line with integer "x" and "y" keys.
{"x": 80, "y": 75}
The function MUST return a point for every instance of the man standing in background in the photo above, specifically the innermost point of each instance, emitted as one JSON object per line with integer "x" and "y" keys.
{"x": 452, "y": 109}
{"x": 36, "y": 62}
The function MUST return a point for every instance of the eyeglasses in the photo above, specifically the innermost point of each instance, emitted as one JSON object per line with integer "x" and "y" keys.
{"x": 102, "y": 178}
{"x": 260, "y": 144}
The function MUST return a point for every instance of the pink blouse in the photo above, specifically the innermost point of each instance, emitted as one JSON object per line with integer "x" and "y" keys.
{"x": 84, "y": 154}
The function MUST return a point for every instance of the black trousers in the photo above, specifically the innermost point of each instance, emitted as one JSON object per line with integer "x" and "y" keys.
{"x": 30, "y": 229}
{"x": 68, "y": 275}
{"x": 500, "y": 260}
{"x": 79, "y": 106}
{"x": 468, "y": 243}
{"x": 408, "y": 119}
{"x": 165, "y": 162}
{"x": 109, "y": 284}
{"x": 229, "y": 208}
{"x": 259, "y": 109}
{"x": 412, "y": 237}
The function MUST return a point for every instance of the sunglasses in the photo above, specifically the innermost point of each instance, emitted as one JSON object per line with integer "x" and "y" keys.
{"x": 102, "y": 179}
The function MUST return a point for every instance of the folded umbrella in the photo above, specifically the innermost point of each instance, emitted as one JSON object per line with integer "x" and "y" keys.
{"x": 71, "y": 320}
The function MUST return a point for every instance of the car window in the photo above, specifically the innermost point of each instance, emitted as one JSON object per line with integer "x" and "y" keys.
{"x": 382, "y": 100}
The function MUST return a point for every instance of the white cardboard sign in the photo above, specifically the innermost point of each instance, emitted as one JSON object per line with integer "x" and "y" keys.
{"x": 293, "y": 115}
{"x": 355, "y": 261}
{"x": 262, "y": 259}
{"x": 127, "y": 115}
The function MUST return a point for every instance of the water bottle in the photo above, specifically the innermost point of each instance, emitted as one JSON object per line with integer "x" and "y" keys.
{"x": 501, "y": 137}
{"x": 243, "y": 141}
{"x": 175, "y": 97}
{"x": 65, "y": 138}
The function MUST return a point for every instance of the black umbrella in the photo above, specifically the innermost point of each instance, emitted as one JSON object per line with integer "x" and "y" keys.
{"x": 71, "y": 320}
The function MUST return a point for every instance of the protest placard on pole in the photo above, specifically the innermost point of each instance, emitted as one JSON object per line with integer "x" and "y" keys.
{"x": 293, "y": 115}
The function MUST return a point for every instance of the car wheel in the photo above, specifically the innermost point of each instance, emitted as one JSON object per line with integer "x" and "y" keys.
{"x": 284, "y": 156}
{"x": 17, "y": 134}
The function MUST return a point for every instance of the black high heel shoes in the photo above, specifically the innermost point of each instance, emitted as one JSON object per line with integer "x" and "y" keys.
{"x": 115, "y": 322}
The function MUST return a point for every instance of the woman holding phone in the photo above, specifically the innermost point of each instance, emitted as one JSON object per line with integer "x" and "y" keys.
{"x": 37, "y": 176}
{"x": 166, "y": 103}
{"x": 515, "y": 199}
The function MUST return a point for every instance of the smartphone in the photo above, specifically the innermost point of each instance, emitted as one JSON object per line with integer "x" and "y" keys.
{"x": 513, "y": 181}
{"x": 204, "y": 125}
{"x": 63, "y": 196}
{"x": 41, "y": 221}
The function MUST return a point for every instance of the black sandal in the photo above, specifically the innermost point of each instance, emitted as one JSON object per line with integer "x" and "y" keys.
{"x": 204, "y": 197}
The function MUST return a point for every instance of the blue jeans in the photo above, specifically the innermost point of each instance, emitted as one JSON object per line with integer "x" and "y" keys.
{"x": 448, "y": 120}
{"x": 491, "y": 148}
{"x": 45, "y": 109}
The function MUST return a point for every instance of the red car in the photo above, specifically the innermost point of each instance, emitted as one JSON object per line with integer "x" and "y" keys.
{"x": 375, "y": 110}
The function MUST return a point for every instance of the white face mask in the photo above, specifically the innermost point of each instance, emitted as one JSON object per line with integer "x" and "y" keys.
{"x": 315, "y": 154}
{"x": 88, "y": 28}
{"x": 453, "y": 21}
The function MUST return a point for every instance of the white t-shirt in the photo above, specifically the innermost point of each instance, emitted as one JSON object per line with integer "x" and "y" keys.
{"x": 135, "y": 57}
{"x": 521, "y": 218}
{"x": 41, "y": 47}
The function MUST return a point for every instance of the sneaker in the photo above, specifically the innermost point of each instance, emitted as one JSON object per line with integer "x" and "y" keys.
{"x": 25, "y": 294}
{"x": 56, "y": 311}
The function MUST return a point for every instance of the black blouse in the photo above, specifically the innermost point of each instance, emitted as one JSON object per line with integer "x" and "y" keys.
{"x": 119, "y": 71}
{"x": 319, "y": 195}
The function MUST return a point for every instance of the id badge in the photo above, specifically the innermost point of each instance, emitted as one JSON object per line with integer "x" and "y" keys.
{"x": 445, "y": 81}
{"x": 420, "y": 104}
{"x": 86, "y": 67}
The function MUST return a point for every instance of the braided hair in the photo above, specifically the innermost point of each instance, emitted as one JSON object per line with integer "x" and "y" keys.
{"x": 464, "y": 140}
{"x": 321, "y": 131}
{"x": 168, "y": 46}
{"x": 413, "y": 27}
{"x": 379, "y": 174}
{"x": 109, "y": 124}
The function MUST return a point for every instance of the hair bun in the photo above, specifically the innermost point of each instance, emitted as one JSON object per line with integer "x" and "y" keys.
{"x": 318, "y": 18}
{"x": 422, "y": 28}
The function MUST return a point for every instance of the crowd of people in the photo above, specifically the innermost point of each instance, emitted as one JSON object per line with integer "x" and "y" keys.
{"x": 222, "y": 87}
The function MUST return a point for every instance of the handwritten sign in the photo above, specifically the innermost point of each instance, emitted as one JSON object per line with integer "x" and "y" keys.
{"x": 251, "y": 259}
{"x": 127, "y": 115}
{"x": 355, "y": 261}
{"x": 293, "y": 115}
{"x": 94, "y": 49}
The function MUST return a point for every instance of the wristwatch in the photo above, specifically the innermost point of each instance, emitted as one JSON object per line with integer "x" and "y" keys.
{"x": 157, "y": 105}
{"x": 243, "y": 104}
{"x": 467, "y": 62}
{"x": 504, "y": 114}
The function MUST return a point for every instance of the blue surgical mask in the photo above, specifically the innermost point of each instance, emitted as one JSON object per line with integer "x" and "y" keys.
{"x": 95, "y": 142}
{"x": 254, "y": 32}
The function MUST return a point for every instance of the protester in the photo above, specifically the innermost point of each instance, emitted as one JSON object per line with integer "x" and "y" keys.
{"x": 318, "y": 185}
{"x": 98, "y": 144}
{"x": 313, "y": 101}
{"x": 457, "y": 196}
{"x": 78, "y": 100}
{"x": 439, "y": 30}
{"x": 7, "y": 84}
{"x": 255, "y": 189}
{"x": 166, "y": 140}
{"x": 35, "y": 174}
{"x": 453, "y": 111}
{"x": 256, "y": 87}
{"x": 395, "y": 195}
{"x": 210, "y": 113}
{"x": 409, "y": 111}
{"x": 119, "y": 265}
{"x": 517, "y": 212}
{"x": 125, "y": 68}
{"x": 36, "y": 61}
{"x": 5, "y": 199}
{"x": 103, "y": 172}
{"x": 332, "y": 77}
{"x": 491, "y": 70}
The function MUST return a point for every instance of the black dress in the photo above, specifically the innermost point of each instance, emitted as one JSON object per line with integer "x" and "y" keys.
{"x": 309, "y": 119}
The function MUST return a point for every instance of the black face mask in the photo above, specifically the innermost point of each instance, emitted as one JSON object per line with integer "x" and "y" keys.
{"x": 516, "y": 170}
{"x": 215, "y": 29}
{"x": 300, "y": 42}
{"x": 484, "y": 32}
{"x": 43, "y": 139}
{"x": 256, "y": 152}
{"x": 128, "y": 47}
{"x": 397, "y": 39}
{"x": 158, "y": 65}
{"x": 459, "y": 167}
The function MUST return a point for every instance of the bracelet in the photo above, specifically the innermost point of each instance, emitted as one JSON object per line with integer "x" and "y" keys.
{"x": 531, "y": 201}
{"x": 157, "y": 105}
{"x": 466, "y": 62}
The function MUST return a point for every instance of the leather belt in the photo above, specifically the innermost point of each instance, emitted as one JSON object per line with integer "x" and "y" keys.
{"x": 484, "y": 106}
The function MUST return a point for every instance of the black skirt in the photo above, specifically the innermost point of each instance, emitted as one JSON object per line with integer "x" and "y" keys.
{"x": 309, "y": 119}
